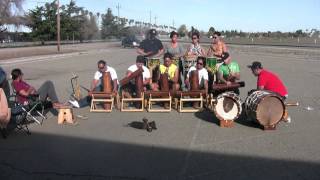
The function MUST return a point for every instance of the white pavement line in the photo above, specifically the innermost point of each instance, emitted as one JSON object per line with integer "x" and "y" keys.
{"x": 33, "y": 59}
{"x": 36, "y": 59}
{"x": 191, "y": 146}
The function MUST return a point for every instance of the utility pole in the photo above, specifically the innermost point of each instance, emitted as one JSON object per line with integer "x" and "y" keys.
{"x": 118, "y": 7}
{"x": 58, "y": 26}
{"x": 155, "y": 20}
{"x": 173, "y": 23}
{"x": 150, "y": 18}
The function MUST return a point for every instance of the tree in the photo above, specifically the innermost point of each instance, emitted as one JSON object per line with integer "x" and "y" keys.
{"x": 211, "y": 31}
{"x": 182, "y": 30}
{"x": 8, "y": 9}
{"x": 109, "y": 25}
{"x": 43, "y": 22}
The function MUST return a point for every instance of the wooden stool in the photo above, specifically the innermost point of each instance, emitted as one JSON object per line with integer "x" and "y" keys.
{"x": 226, "y": 123}
{"x": 106, "y": 99}
{"x": 66, "y": 114}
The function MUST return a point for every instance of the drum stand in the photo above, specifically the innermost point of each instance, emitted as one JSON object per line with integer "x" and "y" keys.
{"x": 189, "y": 98}
{"x": 132, "y": 100}
{"x": 106, "y": 99}
{"x": 155, "y": 99}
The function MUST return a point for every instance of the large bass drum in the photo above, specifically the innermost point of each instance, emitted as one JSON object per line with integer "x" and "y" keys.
{"x": 227, "y": 106}
{"x": 265, "y": 107}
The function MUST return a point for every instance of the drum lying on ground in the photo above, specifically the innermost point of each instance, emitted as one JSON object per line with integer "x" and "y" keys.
{"x": 227, "y": 106}
{"x": 265, "y": 107}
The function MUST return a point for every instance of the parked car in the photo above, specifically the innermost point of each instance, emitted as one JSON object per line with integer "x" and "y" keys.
{"x": 130, "y": 41}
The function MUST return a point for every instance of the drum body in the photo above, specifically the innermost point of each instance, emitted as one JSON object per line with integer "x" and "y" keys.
{"x": 153, "y": 62}
{"x": 189, "y": 62}
{"x": 265, "y": 107}
{"x": 211, "y": 64}
{"x": 176, "y": 61}
{"x": 227, "y": 106}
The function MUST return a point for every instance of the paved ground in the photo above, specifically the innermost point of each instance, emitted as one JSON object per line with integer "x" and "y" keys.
{"x": 185, "y": 146}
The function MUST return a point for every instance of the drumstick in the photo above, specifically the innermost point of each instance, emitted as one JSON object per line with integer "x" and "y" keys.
{"x": 292, "y": 104}
{"x": 85, "y": 88}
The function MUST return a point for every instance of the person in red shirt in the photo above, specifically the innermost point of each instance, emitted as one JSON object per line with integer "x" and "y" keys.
{"x": 268, "y": 80}
{"x": 271, "y": 82}
{"x": 24, "y": 90}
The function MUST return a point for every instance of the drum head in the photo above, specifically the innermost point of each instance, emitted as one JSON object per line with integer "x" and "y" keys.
{"x": 270, "y": 110}
{"x": 226, "y": 108}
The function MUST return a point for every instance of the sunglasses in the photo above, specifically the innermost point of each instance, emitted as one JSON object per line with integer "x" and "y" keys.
{"x": 194, "y": 38}
{"x": 200, "y": 63}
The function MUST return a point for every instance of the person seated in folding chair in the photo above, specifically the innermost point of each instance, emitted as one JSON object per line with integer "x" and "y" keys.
{"x": 96, "y": 84}
{"x": 25, "y": 91}
{"x": 172, "y": 70}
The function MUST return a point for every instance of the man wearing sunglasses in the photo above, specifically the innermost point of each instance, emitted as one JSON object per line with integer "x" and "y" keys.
{"x": 96, "y": 84}
{"x": 218, "y": 47}
{"x": 202, "y": 73}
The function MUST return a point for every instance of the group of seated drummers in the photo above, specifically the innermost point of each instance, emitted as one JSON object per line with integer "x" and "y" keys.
{"x": 212, "y": 67}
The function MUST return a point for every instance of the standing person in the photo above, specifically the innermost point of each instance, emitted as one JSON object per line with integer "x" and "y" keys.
{"x": 177, "y": 51}
{"x": 217, "y": 47}
{"x": 268, "y": 80}
{"x": 151, "y": 46}
{"x": 96, "y": 84}
{"x": 174, "y": 47}
{"x": 195, "y": 49}
{"x": 24, "y": 90}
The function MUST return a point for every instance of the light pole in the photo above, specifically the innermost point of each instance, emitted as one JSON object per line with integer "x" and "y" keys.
{"x": 58, "y": 26}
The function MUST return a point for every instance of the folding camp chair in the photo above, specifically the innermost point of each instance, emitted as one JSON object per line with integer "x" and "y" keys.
{"x": 34, "y": 107}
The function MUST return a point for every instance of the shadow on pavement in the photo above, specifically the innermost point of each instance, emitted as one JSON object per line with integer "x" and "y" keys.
{"x": 44, "y": 156}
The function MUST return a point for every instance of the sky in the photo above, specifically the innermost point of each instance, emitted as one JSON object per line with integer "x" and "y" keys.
{"x": 245, "y": 15}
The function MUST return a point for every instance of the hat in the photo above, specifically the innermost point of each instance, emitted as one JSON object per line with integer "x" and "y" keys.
{"x": 225, "y": 56}
{"x": 153, "y": 32}
{"x": 255, "y": 65}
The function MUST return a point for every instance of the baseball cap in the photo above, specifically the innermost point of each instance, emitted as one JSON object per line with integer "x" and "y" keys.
{"x": 225, "y": 56}
{"x": 153, "y": 32}
{"x": 255, "y": 65}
